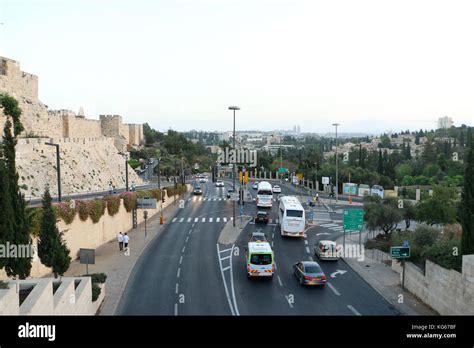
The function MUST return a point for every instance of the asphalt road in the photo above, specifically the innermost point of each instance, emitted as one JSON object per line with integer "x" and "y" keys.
{"x": 184, "y": 271}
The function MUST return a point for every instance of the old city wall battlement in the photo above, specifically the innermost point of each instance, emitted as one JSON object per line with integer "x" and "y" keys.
{"x": 38, "y": 120}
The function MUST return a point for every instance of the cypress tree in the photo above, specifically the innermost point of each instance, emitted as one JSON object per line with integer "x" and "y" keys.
{"x": 467, "y": 204}
{"x": 6, "y": 222}
{"x": 52, "y": 249}
{"x": 21, "y": 266}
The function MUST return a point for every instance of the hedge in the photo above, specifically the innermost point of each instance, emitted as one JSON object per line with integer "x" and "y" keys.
{"x": 82, "y": 208}
{"x": 96, "y": 209}
{"x": 113, "y": 204}
{"x": 129, "y": 200}
{"x": 65, "y": 211}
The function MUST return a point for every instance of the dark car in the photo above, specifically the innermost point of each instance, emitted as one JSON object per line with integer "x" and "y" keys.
{"x": 258, "y": 237}
{"x": 262, "y": 216}
{"x": 309, "y": 273}
{"x": 230, "y": 192}
{"x": 197, "y": 190}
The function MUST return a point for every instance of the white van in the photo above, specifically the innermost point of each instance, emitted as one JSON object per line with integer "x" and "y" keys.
{"x": 291, "y": 217}
{"x": 328, "y": 250}
{"x": 260, "y": 260}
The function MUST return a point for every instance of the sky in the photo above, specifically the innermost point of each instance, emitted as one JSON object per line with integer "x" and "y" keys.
{"x": 370, "y": 66}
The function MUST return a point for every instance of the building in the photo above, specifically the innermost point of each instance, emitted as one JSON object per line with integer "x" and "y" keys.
{"x": 445, "y": 122}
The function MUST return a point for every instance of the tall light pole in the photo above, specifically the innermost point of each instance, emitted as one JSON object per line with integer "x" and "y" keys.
{"x": 337, "y": 168}
{"x": 58, "y": 168}
{"x": 234, "y": 108}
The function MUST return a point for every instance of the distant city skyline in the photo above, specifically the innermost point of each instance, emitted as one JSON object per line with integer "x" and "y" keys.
{"x": 368, "y": 65}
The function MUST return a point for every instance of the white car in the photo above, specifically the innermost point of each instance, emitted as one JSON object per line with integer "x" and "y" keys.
{"x": 328, "y": 250}
{"x": 219, "y": 183}
{"x": 276, "y": 189}
{"x": 255, "y": 185}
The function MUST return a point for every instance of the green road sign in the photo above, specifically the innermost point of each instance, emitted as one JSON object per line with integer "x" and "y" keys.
{"x": 399, "y": 252}
{"x": 353, "y": 219}
{"x": 282, "y": 170}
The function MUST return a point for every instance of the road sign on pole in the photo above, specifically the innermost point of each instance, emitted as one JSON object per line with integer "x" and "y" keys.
{"x": 282, "y": 170}
{"x": 325, "y": 180}
{"x": 353, "y": 219}
{"x": 399, "y": 252}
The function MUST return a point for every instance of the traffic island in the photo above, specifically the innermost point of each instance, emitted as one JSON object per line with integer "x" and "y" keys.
{"x": 229, "y": 233}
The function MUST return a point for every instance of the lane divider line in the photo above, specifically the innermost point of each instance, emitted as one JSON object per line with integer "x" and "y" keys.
{"x": 353, "y": 310}
{"x": 223, "y": 279}
{"x": 333, "y": 289}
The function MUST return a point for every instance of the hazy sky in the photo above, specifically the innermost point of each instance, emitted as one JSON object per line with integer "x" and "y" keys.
{"x": 369, "y": 65}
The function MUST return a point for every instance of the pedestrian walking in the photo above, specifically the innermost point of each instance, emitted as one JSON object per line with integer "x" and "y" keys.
{"x": 125, "y": 241}
{"x": 120, "y": 241}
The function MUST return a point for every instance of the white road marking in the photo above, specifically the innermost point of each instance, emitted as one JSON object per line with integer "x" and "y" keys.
{"x": 184, "y": 248}
{"x": 210, "y": 219}
{"x": 307, "y": 250}
{"x": 279, "y": 280}
{"x": 203, "y": 220}
{"x": 175, "y": 309}
{"x": 179, "y": 272}
{"x": 190, "y": 231}
{"x": 225, "y": 258}
{"x": 232, "y": 283}
{"x": 306, "y": 242}
{"x": 187, "y": 238}
{"x": 196, "y": 220}
{"x": 220, "y": 199}
{"x": 224, "y": 219}
{"x": 218, "y": 219}
{"x": 311, "y": 258}
{"x": 174, "y": 219}
{"x": 223, "y": 279}
{"x": 189, "y": 220}
{"x": 231, "y": 218}
{"x": 176, "y": 290}
{"x": 288, "y": 300}
{"x": 226, "y": 268}
{"x": 181, "y": 260}
{"x": 272, "y": 244}
{"x": 200, "y": 199}
{"x": 215, "y": 199}
{"x": 353, "y": 310}
{"x": 181, "y": 220}
{"x": 204, "y": 199}
{"x": 333, "y": 289}
{"x": 223, "y": 251}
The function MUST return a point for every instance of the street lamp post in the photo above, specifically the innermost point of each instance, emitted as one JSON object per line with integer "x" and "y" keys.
{"x": 337, "y": 168}
{"x": 58, "y": 168}
{"x": 234, "y": 108}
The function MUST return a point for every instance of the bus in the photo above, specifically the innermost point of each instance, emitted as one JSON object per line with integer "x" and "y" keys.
{"x": 291, "y": 217}
{"x": 264, "y": 195}
{"x": 377, "y": 190}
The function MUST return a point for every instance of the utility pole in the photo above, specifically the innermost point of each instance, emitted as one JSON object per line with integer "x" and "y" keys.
{"x": 58, "y": 169}
{"x": 234, "y": 108}
{"x": 337, "y": 174}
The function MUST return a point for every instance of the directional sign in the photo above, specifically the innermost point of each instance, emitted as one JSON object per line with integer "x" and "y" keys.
{"x": 325, "y": 180}
{"x": 399, "y": 252}
{"x": 282, "y": 170}
{"x": 353, "y": 219}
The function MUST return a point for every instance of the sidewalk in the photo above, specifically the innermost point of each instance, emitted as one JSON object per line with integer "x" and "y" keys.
{"x": 117, "y": 265}
{"x": 380, "y": 276}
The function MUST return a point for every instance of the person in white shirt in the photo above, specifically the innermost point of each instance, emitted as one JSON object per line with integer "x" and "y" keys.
{"x": 125, "y": 241}
{"x": 120, "y": 241}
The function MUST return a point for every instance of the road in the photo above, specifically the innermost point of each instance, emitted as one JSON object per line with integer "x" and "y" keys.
{"x": 185, "y": 271}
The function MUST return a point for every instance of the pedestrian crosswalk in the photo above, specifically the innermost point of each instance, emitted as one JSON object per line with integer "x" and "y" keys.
{"x": 202, "y": 219}
{"x": 333, "y": 227}
{"x": 207, "y": 199}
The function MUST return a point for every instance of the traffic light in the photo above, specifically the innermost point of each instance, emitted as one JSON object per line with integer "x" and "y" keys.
{"x": 240, "y": 177}
{"x": 246, "y": 177}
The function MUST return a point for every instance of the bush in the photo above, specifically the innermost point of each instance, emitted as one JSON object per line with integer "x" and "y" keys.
{"x": 96, "y": 277}
{"x": 425, "y": 236}
{"x": 3, "y": 285}
{"x": 129, "y": 200}
{"x": 155, "y": 194}
{"x": 82, "y": 209}
{"x": 96, "y": 209}
{"x": 65, "y": 211}
{"x": 113, "y": 204}
{"x": 380, "y": 242}
{"x": 170, "y": 192}
{"x": 35, "y": 217}
{"x": 443, "y": 253}
{"x": 95, "y": 291}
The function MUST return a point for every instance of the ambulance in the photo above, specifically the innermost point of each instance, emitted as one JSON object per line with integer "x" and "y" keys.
{"x": 260, "y": 260}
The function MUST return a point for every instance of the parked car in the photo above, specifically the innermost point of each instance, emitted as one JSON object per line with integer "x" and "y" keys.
{"x": 261, "y": 216}
{"x": 309, "y": 273}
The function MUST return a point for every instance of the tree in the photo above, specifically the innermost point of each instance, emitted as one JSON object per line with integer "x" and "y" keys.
{"x": 380, "y": 163}
{"x": 467, "y": 200}
{"x": 409, "y": 213}
{"x": 436, "y": 211}
{"x": 52, "y": 249}
{"x": 14, "y": 267}
{"x": 382, "y": 214}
